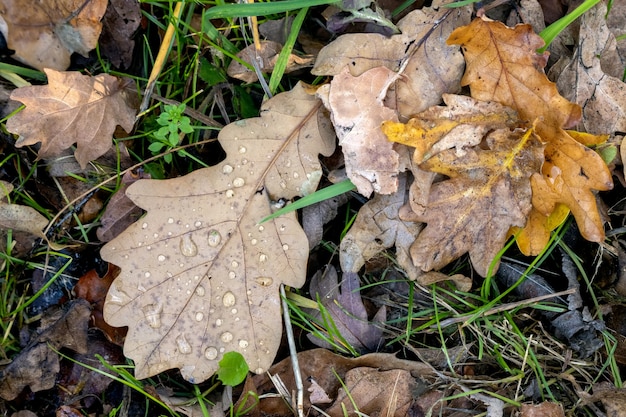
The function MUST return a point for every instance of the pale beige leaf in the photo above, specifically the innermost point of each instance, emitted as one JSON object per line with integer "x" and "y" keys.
{"x": 434, "y": 69}
{"x": 200, "y": 276}
{"x": 357, "y": 111}
{"x": 72, "y": 109}
{"x": 376, "y": 228}
{"x": 44, "y": 34}
{"x": 17, "y": 217}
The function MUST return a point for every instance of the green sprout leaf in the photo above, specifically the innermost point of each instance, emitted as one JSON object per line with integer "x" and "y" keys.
{"x": 233, "y": 369}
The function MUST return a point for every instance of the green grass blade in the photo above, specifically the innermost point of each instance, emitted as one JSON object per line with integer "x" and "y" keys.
{"x": 320, "y": 195}
{"x": 552, "y": 31}
{"x": 261, "y": 9}
{"x": 283, "y": 58}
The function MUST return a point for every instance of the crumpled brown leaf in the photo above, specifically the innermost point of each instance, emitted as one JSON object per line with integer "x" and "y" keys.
{"x": 199, "y": 275}
{"x": 487, "y": 193}
{"x": 347, "y": 311}
{"x": 37, "y": 364}
{"x": 120, "y": 22}
{"x": 357, "y": 111}
{"x": 72, "y": 108}
{"x": 434, "y": 69}
{"x": 44, "y": 34}
{"x": 376, "y": 228}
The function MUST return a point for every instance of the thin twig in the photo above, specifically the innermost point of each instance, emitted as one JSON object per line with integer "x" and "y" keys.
{"x": 294, "y": 354}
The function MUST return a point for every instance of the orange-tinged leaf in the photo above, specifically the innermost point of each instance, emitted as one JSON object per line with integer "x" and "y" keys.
{"x": 488, "y": 192}
{"x": 503, "y": 65}
{"x": 72, "y": 108}
{"x": 534, "y": 237}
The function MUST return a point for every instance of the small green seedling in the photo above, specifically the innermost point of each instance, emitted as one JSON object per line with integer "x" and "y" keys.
{"x": 233, "y": 369}
{"x": 174, "y": 124}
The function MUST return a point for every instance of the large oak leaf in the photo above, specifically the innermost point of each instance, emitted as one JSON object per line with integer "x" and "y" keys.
{"x": 72, "y": 108}
{"x": 200, "y": 276}
{"x": 503, "y": 66}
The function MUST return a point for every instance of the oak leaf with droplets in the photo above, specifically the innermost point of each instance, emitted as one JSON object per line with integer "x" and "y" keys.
{"x": 200, "y": 276}
{"x": 72, "y": 109}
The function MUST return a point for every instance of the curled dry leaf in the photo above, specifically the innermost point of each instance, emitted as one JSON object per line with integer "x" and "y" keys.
{"x": 200, "y": 276}
{"x": 507, "y": 69}
{"x": 434, "y": 69}
{"x": 266, "y": 58}
{"x": 376, "y": 228}
{"x": 357, "y": 111}
{"x": 72, "y": 108}
{"x": 45, "y": 34}
{"x": 120, "y": 22}
{"x": 16, "y": 217}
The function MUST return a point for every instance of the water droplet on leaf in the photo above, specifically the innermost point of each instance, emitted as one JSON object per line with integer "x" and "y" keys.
{"x": 183, "y": 344}
{"x": 210, "y": 353}
{"x": 214, "y": 238}
{"x": 152, "y": 313}
{"x": 187, "y": 246}
{"x": 228, "y": 299}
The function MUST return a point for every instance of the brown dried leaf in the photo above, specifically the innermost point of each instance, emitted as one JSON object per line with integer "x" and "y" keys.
{"x": 45, "y": 34}
{"x": 266, "y": 58}
{"x": 503, "y": 66}
{"x": 72, "y": 108}
{"x": 200, "y": 276}
{"x": 487, "y": 193}
{"x": 37, "y": 365}
{"x": 357, "y": 111}
{"x": 16, "y": 217}
{"x": 433, "y": 70}
{"x": 120, "y": 22}
{"x": 376, "y": 228}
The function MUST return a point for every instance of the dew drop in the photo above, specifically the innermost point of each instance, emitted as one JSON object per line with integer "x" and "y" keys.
{"x": 226, "y": 337}
{"x": 144, "y": 225}
{"x": 296, "y": 175}
{"x": 254, "y": 242}
{"x": 264, "y": 281}
{"x": 200, "y": 291}
{"x": 242, "y": 149}
{"x": 234, "y": 264}
{"x": 161, "y": 258}
{"x": 210, "y": 353}
{"x": 141, "y": 288}
{"x": 283, "y": 185}
{"x": 152, "y": 313}
{"x": 282, "y": 227}
{"x": 228, "y": 299}
{"x": 259, "y": 370}
{"x": 262, "y": 257}
{"x": 170, "y": 220}
{"x": 199, "y": 316}
{"x": 232, "y": 275}
{"x": 227, "y": 169}
{"x": 218, "y": 322}
{"x": 244, "y": 161}
{"x": 230, "y": 193}
{"x": 187, "y": 246}
{"x": 198, "y": 223}
{"x": 147, "y": 274}
{"x": 233, "y": 311}
{"x": 116, "y": 295}
{"x": 183, "y": 344}
{"x": 214, "y": 238}
{"x": 261, "y": 228}
{"x": 238, "y": 182}
{"x": 285, "y": 247}
{"x": 243, "y": 343}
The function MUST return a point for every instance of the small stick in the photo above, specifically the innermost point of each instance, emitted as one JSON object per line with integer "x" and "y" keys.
{"x": 293, "y": 354}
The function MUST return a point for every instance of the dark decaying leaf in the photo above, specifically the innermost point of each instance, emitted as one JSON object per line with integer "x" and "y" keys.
{"x": 346, "y": 309}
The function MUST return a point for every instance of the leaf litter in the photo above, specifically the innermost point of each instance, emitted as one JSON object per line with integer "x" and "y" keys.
{"x": 481, "y": 167}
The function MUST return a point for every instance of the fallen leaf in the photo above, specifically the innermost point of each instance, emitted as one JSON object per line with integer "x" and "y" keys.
{"x": 17, "y": 217}
{"x": 315, "y": 216}
{"x": 347, "y": 311}
{"x": 200, "y": 276}
{"x": 72, "y": 108}
{"x": 357, "y": 111}
{"x": 434, "y": 69}
{"x": 119, "y": 24}
{"x": 487, "y": 192}
{"x": 505, "y": 68}
{"x": 375, "y": 393}
{"x": 120, "y": 212}
{"x": 45, "y": 34}
{"x": 376, "y": 228}
{"x": 37, "y": 364}
{"x": 265, "y": 58}
{"x": 93, "y": 288}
